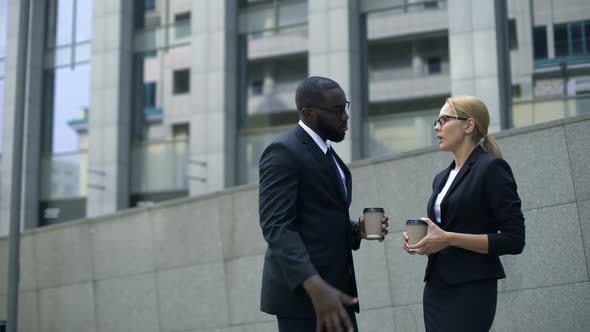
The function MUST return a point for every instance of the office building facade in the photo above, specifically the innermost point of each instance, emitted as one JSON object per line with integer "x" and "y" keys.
{"x": 108, "y": 105}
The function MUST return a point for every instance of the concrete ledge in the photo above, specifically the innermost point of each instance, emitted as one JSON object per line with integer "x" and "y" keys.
{"x": 558, "y": 308}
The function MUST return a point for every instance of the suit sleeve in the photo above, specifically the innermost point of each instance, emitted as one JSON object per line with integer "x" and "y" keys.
{"x": 279, "y": 181}
{"x": 505, "y": 205}
{"x": 355, "y": 233}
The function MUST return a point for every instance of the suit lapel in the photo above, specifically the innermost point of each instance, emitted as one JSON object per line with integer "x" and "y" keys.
{"x": 464, "y": 170}
{"x": 460, "y": 176}
{"x": 321, "y": 158}
{"x": 347, "y": 177}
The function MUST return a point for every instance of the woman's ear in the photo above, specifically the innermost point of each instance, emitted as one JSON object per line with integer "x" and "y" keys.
{"x": 469, "y": 126}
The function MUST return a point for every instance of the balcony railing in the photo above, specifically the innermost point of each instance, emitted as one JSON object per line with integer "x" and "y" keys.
{"x": 530, "y": 112}
{"x": 251, "y": 144}
{"x": 291, "y": 40}
{"x": 400, "y": 132}
{"x": 151, "y": 39}
{"x": 159, "y": 167}
{"x": 64, "y": 175}
{"x": 388, "y": 88}
{"x": 401, "y": 6}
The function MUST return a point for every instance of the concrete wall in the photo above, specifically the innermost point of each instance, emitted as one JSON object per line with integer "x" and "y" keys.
{"x": 195, "y": 264}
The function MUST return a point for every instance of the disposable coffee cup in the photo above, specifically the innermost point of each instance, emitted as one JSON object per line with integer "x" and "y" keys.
{"x": 373, "y": 222}
{"x": 416, "y": 230}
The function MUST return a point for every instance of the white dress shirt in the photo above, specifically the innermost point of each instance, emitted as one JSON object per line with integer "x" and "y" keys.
{"x": 442, "y": 194}
{"x": 324, "y": 146}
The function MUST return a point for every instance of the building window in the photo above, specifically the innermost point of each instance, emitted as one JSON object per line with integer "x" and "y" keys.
{"x": 540, "y": 42}
{"x": 150, "y": 4}
{"x": 577, "y": 38}
{"x": 149, "y": 94}
{"x": 257, "y": 87}
{"x": 561, "y": 40}
{"x": 571, "y": 39}
{"x": 431, "y": 5}
{"x": 512, "y": 35}
{"x": 182, "y": 22}
{"x": 434, "y": 65}
{"x": 181, "y": 81}
{"x": 180, "y": 131}
{"x": 516, "y": 92}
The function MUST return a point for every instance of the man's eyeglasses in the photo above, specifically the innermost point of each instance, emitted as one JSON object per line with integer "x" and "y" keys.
{"x": 338, "y": 111}
{"x": 446, "y": 118}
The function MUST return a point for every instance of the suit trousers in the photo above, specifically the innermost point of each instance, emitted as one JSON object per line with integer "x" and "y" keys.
{"x": 468, "y": 307}
{"x": 307, "y": 325}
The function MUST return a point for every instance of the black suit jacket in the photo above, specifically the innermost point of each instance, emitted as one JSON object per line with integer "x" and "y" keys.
{"x": 305, "y": 221}
{"x": 482, "y": 199}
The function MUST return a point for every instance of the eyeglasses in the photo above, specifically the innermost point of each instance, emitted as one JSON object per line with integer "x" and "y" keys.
{"x": 446, "y": 118}
{"x": 338, "y": 111}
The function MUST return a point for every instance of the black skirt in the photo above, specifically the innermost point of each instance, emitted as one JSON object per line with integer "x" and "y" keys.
{"x": 466, "y": 307}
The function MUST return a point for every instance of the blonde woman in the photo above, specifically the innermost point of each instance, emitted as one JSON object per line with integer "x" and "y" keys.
{"x": 474, "y": 216}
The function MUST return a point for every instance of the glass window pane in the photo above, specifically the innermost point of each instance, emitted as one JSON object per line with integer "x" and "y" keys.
{"x": 251, "y": 146}
{"x": 1, "y": 112}
{"x": 512, "y": 34}
{"x": 63, "y": 56}
{"x": 159, "y": 166}
{"x": 576, "y": 38}
{"x": 587, "y": 35}
{"x": 181, "y": 80}
{"x": 150, "y": 4}
{"x": 150, "y": 94}
{"x": 561, "y": 40}
{"x": 64, "y": 19}
{"x": 83, "y": 53}
{"x": 434, "y": 65}
{"x": 182, "y": 25}
{"x": 373, "y": 5}
{"x": 257, "y": 19}
{"x": 401, "y": 125}
{"x": 70, "y": 106}
{"x": 540, "y": 42}
{"x": 3, "y": 22}
{"x": 64, "y": 175}
{"x": 292, "y": 14}
{"x": 84, "y": 20}
{"x": 267, "y": 94}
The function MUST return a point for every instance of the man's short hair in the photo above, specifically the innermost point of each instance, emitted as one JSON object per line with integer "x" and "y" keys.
{"x": 312, "y": 89}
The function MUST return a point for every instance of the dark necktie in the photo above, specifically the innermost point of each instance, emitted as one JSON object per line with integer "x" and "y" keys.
{"x": 332, "y": 160}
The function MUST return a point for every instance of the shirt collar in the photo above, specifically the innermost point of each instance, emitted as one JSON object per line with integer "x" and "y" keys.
{"x": 324, "y": 145}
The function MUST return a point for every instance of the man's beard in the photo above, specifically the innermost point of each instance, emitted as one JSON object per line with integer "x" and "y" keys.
{"x": 333, "y": 134}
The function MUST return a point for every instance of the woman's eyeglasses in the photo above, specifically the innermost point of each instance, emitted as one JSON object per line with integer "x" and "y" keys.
{"x": 446, "y": 118}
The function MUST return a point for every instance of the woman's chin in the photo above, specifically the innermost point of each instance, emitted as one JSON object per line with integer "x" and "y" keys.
{"x": 443, "y": 146}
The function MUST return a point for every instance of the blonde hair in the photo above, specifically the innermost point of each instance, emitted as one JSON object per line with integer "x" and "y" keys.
{"x": 474, "y": 108}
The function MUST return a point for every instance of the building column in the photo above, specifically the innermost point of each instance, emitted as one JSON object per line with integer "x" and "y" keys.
{"x": 335, "y": 34}
{"x": 23, "y": 107}
{"x": 110, "y": 107}
{"x": 473, "y": 54}
{"x": 213, "y": 138}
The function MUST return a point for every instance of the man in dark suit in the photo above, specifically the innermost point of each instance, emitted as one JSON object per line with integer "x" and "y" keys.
{"x": 308, "y": 280}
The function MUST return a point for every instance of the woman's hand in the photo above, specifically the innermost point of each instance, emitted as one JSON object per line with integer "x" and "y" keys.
{"x": 406, "y": 245}
{"x": 435, "y": 240}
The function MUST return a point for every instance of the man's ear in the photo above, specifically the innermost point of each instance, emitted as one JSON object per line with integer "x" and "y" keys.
{"x": 306, "y": 114}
